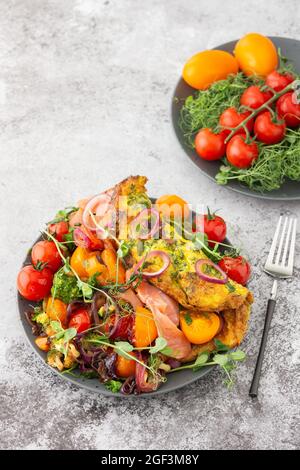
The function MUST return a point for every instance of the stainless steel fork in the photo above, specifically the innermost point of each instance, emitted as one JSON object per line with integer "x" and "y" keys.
{"x": 279, "y": 264}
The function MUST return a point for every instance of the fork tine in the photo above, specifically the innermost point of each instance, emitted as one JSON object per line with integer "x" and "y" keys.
{"x": 274, "y": 242}
{"x": 287, "y": 241}
{"x": 292, "y": 246}
{"x": 279, "y": 252}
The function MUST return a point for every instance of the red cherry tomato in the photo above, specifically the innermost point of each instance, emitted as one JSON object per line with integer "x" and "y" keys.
{"x": 210, "y": 146}
{"x": 254, "y": 98}
{"x": 59, "y": 230}
{"x": 231, "y": 118}
{"x": 288, "y": 109}
{"x": 34, "y": 284}
{"x": 268, "y": 131}
{"x": 80, "y": 320}
{"x": 45, "y": 252}
{"x": 279, "y": 81}
{"x": 238, "y": 269}
{"x": 241, "y": 154}
{"x": 212, "y": 225}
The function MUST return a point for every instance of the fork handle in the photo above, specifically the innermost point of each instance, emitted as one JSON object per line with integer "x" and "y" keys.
{"x": 256, "y": 377}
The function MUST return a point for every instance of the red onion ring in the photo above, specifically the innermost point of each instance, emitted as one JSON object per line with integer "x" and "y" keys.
{"x": 206, "y": 277}
{"x": 81, "y": 239}
{"x": 164, "y": 256}
{"x": 98, "y": 205}
{"x": 145, "y": 214}
{"x": 141, "y": 377}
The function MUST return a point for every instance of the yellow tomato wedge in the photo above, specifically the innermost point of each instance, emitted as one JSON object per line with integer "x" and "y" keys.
{"x": 208, "y": 67}
{"x": 199, "y": 327}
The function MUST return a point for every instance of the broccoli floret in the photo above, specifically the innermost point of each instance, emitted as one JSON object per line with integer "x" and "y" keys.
{"x": 65, "y": 287}
{"x": 42, "y": 318}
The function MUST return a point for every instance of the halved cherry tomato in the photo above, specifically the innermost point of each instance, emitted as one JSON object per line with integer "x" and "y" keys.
{"x": 145, "y": 331}
{"x": 288, "y": 109}
{"x": 230, "y": 119}
{"x": 45, "y": 252}
{"x": 34, "y": 283}
{"x": 42, "y": 343}
{"x": 80, "y": 320}
{"x": 238, "y": 269}
{"x": 207, "y": 67}
{"x": 210, "y": 146}
{"x": 78, "y": 259}
{"x": 94, "y": 266}
{"x": 56, "y": 310}
{"x": 59, "y": 230}
{"x": 199, "y": 327}
{"x": 254, "y": 98}
{"x": 241, "y": 154}
{"x": 109, "y": 258}
{"x": 268, "y": 131}
{"x": 279, "y": 81}
{"x": 125, "y": 367}
{"x": 172, "y": 205}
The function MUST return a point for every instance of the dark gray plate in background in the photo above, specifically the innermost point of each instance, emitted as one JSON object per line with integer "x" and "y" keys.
{"x": 289, "y": 190}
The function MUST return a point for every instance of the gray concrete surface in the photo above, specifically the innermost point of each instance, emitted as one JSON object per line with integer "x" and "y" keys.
{"x": 85, "y": 94}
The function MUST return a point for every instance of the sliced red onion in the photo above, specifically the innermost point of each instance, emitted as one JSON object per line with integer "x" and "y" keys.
{"x": 142, "y": 221}
{"x": 166, "y": 262}
{"x": 128, "y": 386}
{"x": 207, "y": 277}
{"x": 81, "y": 238}
{"x": 141, "y": 377}
{"x": 99, "y": 206}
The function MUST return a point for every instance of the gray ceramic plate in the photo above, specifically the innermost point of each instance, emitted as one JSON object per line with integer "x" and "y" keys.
{"x": 291, "y": 189}
{"x": 175, "y": 381}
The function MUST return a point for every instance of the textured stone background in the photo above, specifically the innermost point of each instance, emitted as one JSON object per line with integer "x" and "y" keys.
{"x": 85, "y": 92}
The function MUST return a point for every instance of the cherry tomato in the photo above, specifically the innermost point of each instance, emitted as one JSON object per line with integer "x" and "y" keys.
{"x": 268, "y": 131}
{"x": 80, "y": 320}
{"x": 254, "y": 98}
{"x": 212, "y": 225}
{"x": 288, "y": 109}
{"x": 45, "y": 252}
{"x": 78, "y": 260}
{"x": 241, "y": 154}
{"x": 172, "y": 205}
{"x": 231, "y": 118}
{"x": 256, "y": 54}
{"x": 59, "y": 230}
{"x": 210, "y": 146}
{"x": 56, "y": 310}
{"x": 279, "y": 81}
{"x": 95, "y": 242}
{"x": 34, "y": 284}
{"x": 238, "y": 269}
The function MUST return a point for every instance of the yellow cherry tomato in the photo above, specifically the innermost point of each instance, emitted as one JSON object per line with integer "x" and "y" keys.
{"x": 256, "y": 54}
{"x": 207, "y": 67}
{"x": 56, "y": 310}
{"x": 125, "y": 367}
{"x": 93, "y": 266}
{"x": 199, "y": 327}
{"x": 77, "y": 262}
{"x": 145, "y": 331}
{"x": 42, "y": 343}
{"x": 171, "y": 205}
